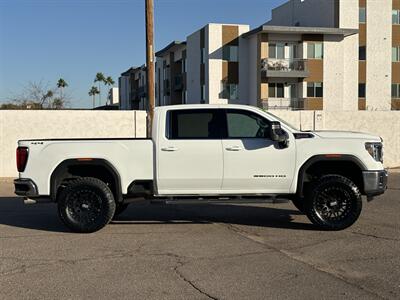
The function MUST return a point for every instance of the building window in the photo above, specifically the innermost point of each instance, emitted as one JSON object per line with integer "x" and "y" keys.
{"x": 362, "y": 53}
{"x": 362, "y": 15}
{"x": 315, "y": 89}
{"x": 230, "y": 53}
{"x": 184, "y": 96}
{"x": 276, "y": 90}
{"x": 184, "y": 65}
{"x": 276, "y": 50}
{"x": 229, "y": 91}
{"x": 396, "y": 90}
{"x": 315, "y": 50}
{"x": 203, "y": 55}
{"x": 361, "y": 90}
{"x": 395, "y": 54}
{"x": 203, "y": 93}
{"x": 396, "y": 17}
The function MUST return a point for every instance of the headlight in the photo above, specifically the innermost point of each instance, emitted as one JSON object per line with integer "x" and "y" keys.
{"x": 375, "y": 150}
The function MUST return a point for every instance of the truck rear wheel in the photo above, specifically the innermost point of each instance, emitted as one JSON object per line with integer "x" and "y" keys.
{"x": 86, "y": 205}
{"x": 334, "y": 203}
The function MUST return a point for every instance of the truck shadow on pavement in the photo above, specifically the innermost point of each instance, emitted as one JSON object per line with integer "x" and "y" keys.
{"x": 44, "y": 217}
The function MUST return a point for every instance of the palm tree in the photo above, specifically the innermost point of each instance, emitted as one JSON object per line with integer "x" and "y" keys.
{"x": 109, "y": 81}
{"x": 100, "y": 78}
{"x": 61, "y": 84}
{"x": 93, "y": 92}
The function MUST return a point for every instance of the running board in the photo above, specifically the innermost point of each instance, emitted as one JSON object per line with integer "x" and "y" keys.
{"x": 238, "y": 200}
{"x": 29, "y": 201}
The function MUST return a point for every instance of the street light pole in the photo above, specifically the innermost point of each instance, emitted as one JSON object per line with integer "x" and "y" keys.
{"x": 150, "y": 62}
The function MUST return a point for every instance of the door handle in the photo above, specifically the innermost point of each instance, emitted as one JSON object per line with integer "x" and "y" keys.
{"x": 234, "y": 148}
{"x": 169, "y": 149}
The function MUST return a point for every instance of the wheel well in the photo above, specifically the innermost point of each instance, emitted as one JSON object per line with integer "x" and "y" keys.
{"x": 315, "y": 170}
{"x": 72, "y": 169}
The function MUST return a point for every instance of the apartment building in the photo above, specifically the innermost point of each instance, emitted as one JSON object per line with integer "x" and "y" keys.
{"x": 170, "y": 74}
{"x": 113, "y": 96}
{"x": 132, "y": 89}
{"x": 216, "y": 65}
{"x": 378, "y": 43}
{"x": 292, "y": 67}
{"x": 312, "y": 54}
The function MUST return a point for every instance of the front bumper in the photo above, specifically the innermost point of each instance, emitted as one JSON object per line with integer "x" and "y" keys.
{"x": 25, "y": 187}
{"x": 375, "y": 182}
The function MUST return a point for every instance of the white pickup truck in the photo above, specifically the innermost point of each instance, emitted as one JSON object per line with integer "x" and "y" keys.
{"x": 205, "y": 153}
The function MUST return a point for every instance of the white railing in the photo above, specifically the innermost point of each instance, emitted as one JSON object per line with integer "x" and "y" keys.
{"x": 284, "y": 64}
{"x": 284, "y": 103}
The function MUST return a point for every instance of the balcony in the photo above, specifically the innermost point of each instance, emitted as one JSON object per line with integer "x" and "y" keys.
{"x": 285, "y": 67}
{"x": 284, "y": 103}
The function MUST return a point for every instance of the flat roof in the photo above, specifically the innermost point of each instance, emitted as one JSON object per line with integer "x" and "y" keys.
{"x": 301, "y": 30}
{"x": 169, "y": 47}
{"x": 133, "y": 69}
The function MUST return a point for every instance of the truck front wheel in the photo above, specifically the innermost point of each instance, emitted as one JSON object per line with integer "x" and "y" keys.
{"x": 86, "y": 205}
{"x": 334, "y": 203}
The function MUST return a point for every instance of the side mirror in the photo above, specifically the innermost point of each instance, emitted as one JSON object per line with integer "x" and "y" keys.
{"x": 277, "y": 134}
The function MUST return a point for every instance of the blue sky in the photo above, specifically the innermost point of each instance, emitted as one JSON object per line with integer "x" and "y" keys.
{"x": 43, "y": 40}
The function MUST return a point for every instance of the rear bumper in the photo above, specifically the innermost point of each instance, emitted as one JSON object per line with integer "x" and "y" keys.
{"x": 375, "y": 182}
{"x": 25, "y": 187}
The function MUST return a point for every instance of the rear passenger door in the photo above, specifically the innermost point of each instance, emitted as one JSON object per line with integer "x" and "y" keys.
{"x": 190, "y": 159}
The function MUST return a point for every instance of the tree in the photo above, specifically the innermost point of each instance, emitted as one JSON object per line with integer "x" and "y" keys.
{"x": 93, "y": 92}
{"x": 38, "y": 95}
{"x": 61, "y": 84}
{"x": 100, "y": 78}
{"x": 109, "y": 82}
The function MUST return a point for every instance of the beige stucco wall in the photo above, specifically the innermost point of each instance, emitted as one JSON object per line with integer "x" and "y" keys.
{"x": 215, "y": 63}
{"x": 379, "y": 55}
{"x": 15, "y": 125}
{"x": 333, "y": 73}
{"x": 193, "y": 68}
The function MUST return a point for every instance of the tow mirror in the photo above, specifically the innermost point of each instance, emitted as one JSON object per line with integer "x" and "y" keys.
{"x": 277, "y": 134}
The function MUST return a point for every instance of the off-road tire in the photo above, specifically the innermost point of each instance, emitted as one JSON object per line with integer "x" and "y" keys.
{"x": 334, "y": 203}
{"x": 86, "y": 205}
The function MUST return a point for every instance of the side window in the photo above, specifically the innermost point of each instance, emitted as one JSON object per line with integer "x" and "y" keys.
{"x": 194, "y": 124}
{"x": 243, "y": 124}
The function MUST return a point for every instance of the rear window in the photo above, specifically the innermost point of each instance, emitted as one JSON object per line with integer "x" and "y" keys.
{"x": 193, "y": 124}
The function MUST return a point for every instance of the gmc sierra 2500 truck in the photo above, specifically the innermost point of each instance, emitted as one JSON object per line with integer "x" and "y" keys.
{"x": 205, "y": 153}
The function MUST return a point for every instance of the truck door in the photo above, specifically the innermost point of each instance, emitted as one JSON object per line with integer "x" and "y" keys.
{"x": 253, "y": 163}
{"x": 190, "y": 159}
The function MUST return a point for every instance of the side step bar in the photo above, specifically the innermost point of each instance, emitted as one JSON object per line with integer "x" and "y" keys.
{"x": 236, "y": 200}
{"x": 29, "y": 201}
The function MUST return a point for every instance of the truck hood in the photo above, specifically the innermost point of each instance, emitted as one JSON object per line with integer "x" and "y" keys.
{"x": 331, "y": 134}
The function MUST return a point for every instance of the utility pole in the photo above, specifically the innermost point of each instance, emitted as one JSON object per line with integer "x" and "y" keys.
{"x": 150, "y": 62}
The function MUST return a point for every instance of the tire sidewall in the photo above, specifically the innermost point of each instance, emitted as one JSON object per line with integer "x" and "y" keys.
{"x": 101, "y": 190}
{"x": 343, "y": 183}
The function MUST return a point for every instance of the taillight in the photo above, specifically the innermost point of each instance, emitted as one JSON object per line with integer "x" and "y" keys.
{"x": 22, "y": 158}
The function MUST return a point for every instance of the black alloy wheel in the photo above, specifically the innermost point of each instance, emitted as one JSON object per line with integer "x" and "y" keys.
{"x": 334, "y": 203}
{"x": 86, "y": 205}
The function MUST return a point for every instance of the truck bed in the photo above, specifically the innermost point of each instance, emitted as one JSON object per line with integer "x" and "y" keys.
{"x": 131, "y": 157}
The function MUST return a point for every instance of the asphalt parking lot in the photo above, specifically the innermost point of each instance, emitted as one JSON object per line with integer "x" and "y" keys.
{"x": 200, "y": 252}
